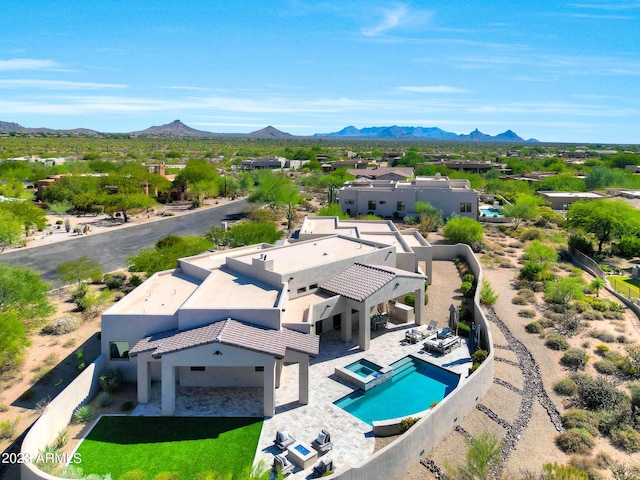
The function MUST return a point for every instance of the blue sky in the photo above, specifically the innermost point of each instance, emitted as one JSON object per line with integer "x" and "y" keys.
{"x": 552, "y": 70}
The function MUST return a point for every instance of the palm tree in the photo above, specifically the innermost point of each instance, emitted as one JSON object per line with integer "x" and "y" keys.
{"x": 597, "y": 283}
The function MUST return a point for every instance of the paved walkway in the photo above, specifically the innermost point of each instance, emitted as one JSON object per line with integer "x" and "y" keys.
{"x": 352, "y": 438}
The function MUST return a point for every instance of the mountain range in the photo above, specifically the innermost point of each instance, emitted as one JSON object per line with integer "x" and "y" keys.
{"x": 179, "y": 129}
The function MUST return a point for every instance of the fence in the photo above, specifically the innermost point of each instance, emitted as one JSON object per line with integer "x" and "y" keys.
{"x": 589, "y": 263}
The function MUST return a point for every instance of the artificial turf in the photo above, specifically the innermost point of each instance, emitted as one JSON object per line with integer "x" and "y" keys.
{"x": 184, "y": 445}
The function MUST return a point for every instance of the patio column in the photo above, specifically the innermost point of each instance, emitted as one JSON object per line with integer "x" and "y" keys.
{"x": 278, "y": 372}
{"x": 345, "y": 325}
{"x": 303, "y": 380}
{"x": 168, "y": 389}
{"x": 364, "y": 325}
{"x": 270, "y": 389}
{"x": 419, "y": 306}
{"x": 144, "y": 379}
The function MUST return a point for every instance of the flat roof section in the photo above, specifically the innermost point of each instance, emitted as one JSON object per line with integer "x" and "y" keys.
{"x": 296, "y": 307}
{"x": 225, "y": 288}
{"x": 213, "y": 260}
{"x": 571, "y": 194}
{"x": 312, "y": 253}
{"x": 163, "y": 294}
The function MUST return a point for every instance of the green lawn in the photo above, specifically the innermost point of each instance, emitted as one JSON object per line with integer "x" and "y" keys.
{"x": 185, "y": 445}
{"x": 627, "y": 286}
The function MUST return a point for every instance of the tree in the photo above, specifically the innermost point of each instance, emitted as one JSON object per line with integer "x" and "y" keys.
{"x": 124, "y": 202}
{"x": 429, "y": 217}
{"x": 606, "y": 219}
{"x": 463, "y": 230}
{"x": 26, "y": 213}
{"x": 564, "y": 290}
{"x": 10, "y": 230}
{"x": 274, "y": 190}
{"x": 166, "y": 252}
{"x": 597, "y": 283}
{"x": 483, "y": 457}
{"x": 245, "y": 233}
{"x": 332, "y": 210}
{"x": 522, "y": 210}
{"x": 76, "y": 271}
{"x": 23, "y": 292}
{"x": 540, "y": 253}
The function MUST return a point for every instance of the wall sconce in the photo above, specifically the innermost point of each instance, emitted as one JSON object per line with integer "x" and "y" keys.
{"x": 217, "y": 353}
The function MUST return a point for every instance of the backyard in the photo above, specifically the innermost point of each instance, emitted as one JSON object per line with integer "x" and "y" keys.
{"x": 185, "y": 446}
{"x": 625, "y": 285}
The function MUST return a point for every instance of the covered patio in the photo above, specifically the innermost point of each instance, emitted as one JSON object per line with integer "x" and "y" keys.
{"x": 227, "y": 353}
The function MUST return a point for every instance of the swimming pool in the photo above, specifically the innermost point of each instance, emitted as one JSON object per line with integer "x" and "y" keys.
{"x": 363, "y": 368}
{"x": 415, "y": 386}
{"x": 491, "y": 211}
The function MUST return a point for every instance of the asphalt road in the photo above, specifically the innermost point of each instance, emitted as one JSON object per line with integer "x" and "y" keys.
{"x": 112, "y": 249}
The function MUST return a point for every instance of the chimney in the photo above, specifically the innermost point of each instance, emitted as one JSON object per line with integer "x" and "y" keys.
{"x": 263, "y": 262}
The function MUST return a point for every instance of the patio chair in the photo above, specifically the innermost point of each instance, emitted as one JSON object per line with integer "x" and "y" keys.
{"x": 323, "y": 443}
{"x": 433, "y": 325}
{"x": 283, "y": 439}
{"x": 324, "y": 465}
{"x": 282, "y": 465}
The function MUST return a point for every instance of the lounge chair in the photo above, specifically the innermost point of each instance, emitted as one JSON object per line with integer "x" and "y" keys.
{"x": 324, "y": 465}
{"x": 283, "y": 439}
{"x": 433, "y": 325}
{"x": 323, "y": 443}
{"x": 282, "y": 465}
{"x": 446, "y": 332}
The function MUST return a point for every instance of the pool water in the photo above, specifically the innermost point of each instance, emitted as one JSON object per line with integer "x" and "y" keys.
{"x": 363, "y": 368}
{"x": 491, "y": 212}
{"x": 415, "y": 386}
{"x": 302, "y": 450}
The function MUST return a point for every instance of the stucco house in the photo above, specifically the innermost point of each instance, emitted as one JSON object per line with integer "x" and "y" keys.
{"x": 395, "y": 199}
{"x": 234, "y": 318}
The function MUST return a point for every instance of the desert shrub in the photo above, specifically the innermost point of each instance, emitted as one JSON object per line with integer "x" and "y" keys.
{"x": 410, "y": 300}
{"x": 599, "y": 393}
{"x": 531, "y": 233}
{"x": 61, "y": 439}
{"x": 534, "y": 327}
{"x": 626, "y": 438}
{"x": 488, "y": 296}
{"x": 577, "y": 418}
{"x": 479, "y": 356}
{"x": 622, "y": 339}
{"x": 554, "y": 317}
{"x": 565, "y": 386}
{"x": 556, "y": 342}
{"x": 134, "y": 475}
{"x": 605, "y": 367}
{"x": 466, "y": 288}
{"x": 104, "y": 399}
{"x": 575, "y": 440}
{"x": 111, "y": 380}
{"x": 528, "y": 294}
{"x": 587, "y": 468}
{"x": 135, "y": 281}
{"x": 609, "y": 315}
{"x": 126, "y": 406}
{"x": 601, "y": 349}
{"x": 581, "y": 243}
{"x": 575, "y": 358}
{"x": 527, "y": 313}
{"x": 597, "y": 304}
{"x": 62, "y": 325}
{"x": 469, "y": 277}
{"x": 602, "y": 335}
{"x": 114, "y": 281}
{"x": 535, "y": 272}
{"x": 464, "y": 330}
{"x": 546, "y": 322}
{"x": 591, "y": 315}
{"x": 8, "y": 428}
{"x": 519, "y": 300}
{"x": 83, "y": 414}
{"x": 407, "y": 422}
{"x": 79, "y": 295}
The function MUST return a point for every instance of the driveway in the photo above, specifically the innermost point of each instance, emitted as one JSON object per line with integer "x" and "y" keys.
{"x": 112, "y": 248}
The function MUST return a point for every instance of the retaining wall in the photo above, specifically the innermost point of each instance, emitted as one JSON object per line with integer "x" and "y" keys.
{"x": 57, "y": 415}
{"x": 394, "y": 460}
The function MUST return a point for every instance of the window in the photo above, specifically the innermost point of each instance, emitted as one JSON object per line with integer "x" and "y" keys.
{"x": 259, "y": 369}
{"x": 348, "y": 202}
{"x": 119, "y": 350}
{"x": 383, "y": 202}
{"x": 465, "y": 207}
{"x": 372, "y": 205}
{"x": 401, "y": 206}
{"x": 302, "y": 289}
{"x": 313, "y": 286}
{"x": 197, "y": 369}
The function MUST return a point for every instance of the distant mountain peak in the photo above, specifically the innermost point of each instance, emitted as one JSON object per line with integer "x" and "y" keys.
{"x": 173, "y": 129}
{"x": 269, "y": 132}
{"x": 420, "y": 133}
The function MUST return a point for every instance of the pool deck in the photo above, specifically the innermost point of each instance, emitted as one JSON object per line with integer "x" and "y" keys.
{"x": 352, "y": 438}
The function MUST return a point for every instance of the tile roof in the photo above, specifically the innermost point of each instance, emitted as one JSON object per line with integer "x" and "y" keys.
{"x": 229, "y": 332}
{"x": 360, "y": 281}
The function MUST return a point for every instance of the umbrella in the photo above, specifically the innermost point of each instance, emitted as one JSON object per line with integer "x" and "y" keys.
{"x": 453, "y": 318}
{"x": 477, "y": 336}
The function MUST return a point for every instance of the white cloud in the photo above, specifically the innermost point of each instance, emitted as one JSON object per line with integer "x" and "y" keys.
{"x": 432, "y": 89}
{"x": 390, "y": 20}
{"x": 57, "y": 85}
{"x": 28, "y": 64}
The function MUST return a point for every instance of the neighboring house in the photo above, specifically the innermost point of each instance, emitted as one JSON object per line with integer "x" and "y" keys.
{"x": 563, "y": 200}
{"x": 233, "y": 318}
{"x": 391, "y": 199}
{"x": 382, "y": 173}
{"x": 470, "y": 166}
{"x": 264, "y": 163}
